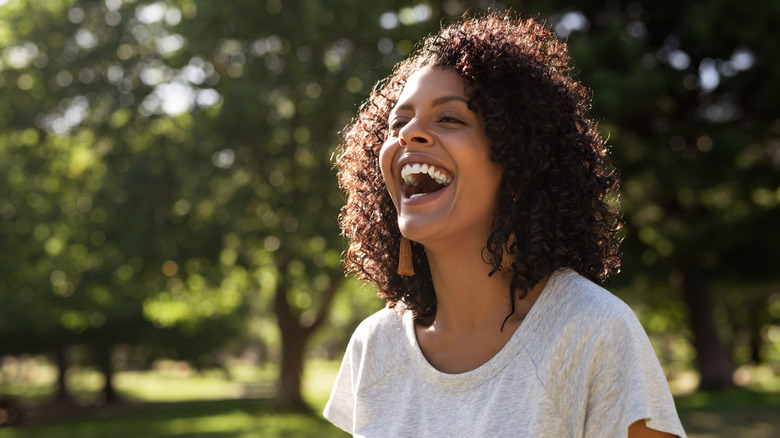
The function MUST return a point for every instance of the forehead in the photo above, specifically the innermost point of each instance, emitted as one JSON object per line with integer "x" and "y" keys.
{"x": 431, "y": 82}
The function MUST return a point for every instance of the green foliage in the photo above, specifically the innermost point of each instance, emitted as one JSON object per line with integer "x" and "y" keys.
{"x": 355, "y": 301}
{"x": 694, "y": 127}
{"x": 167, "y": 166}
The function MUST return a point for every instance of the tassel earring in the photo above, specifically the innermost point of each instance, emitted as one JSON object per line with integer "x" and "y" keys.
{"x": 405, "y": 267}
{"x": 507, "y": 259}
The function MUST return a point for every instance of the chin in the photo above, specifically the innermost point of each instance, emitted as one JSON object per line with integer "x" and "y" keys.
{"x": 418, "y": 229}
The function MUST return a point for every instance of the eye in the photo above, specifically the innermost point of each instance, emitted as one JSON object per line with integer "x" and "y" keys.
{"x": 397, "y": 124}
{"x": 451, "y": 120}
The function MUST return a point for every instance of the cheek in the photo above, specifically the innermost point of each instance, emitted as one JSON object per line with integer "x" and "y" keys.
{"x": 386, "y": 159}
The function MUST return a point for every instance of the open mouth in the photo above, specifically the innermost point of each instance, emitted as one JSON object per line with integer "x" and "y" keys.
{"x": 422, "y": 179}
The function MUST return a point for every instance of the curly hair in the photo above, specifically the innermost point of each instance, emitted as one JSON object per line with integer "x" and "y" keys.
{"x": 554, "y": 211}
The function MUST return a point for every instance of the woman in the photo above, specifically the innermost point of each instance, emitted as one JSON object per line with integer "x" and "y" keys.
{"x": 477, "y": 203}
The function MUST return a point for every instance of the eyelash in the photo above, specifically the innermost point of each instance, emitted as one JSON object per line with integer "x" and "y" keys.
{"x": 449, "y": 119}
{"x": 398, "y": 124}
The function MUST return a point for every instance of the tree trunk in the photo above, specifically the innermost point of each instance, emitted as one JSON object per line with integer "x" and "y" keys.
{"x": 759, "y": 312}
{"x": 295, "y": 334}
{"x": 713, "y": 358}
{"x": 106, "y": 366}
{"x": 293, "y": 348}
{"x": 62, "y": 368}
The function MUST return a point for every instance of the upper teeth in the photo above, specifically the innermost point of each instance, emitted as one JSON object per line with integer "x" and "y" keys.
{"x": 411, "y": 169}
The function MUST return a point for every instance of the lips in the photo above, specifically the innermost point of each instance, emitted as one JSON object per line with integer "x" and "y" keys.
{"x": 420, "y": 179}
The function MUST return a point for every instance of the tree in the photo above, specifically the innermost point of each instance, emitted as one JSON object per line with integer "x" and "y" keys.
{"x": 693, "y": 124}
{"x": 307, "y": 84}
{"x": 95, "y": 215}
{"x": 157, "y": 122}
{"x": 167, "y": 166}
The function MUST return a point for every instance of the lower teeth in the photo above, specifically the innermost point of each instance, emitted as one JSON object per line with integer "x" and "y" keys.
{"x": 417, "y": 195}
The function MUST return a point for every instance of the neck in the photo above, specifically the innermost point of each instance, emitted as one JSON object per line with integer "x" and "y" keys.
{"x": 467, "y": 297}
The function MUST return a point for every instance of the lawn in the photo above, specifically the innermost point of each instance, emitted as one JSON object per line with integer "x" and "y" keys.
{"x": 174, "y": 401}
{"x": 215, "y": 418}
{"x": 170, "y": 404}
{"x": 737, "y": 413}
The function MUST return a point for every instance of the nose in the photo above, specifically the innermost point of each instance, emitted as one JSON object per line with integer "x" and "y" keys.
{"x": 414, "y": 134}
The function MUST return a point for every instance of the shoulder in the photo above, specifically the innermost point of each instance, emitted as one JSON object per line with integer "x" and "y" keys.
{"x": 596, "y": 362}
{"x": 376, "y": 346}
{"x": 381, "y": 327}
{"x": 579, "y": 300}
{"x": 579, "y": 318}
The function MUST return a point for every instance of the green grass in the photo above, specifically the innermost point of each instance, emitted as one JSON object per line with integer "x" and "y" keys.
{"x": 737, "y": 413}
{"x": 217, "y": 418}
{"x": 179, "y": 403}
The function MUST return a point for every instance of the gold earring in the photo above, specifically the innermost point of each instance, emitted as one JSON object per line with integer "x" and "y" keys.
{"x": 507, "y": 259}
{"x": 405, "y": 266}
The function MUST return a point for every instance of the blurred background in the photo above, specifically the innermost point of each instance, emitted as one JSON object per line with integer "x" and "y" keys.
{"x": 169, "y": 248}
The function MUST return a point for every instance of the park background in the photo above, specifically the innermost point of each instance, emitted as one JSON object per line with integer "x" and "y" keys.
{"x": 169, "y": 248}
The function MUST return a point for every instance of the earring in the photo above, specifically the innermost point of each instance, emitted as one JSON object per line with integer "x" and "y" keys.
{"x": 405, "y": 266}
{"x": 507, "y": 259}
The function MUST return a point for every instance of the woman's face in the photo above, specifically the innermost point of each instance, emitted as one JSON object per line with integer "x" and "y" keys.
{"x": 436, "y": 161}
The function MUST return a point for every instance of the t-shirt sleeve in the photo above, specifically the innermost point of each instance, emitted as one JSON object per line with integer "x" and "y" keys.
{"x": 625, "y": 381}
{"x": 371, "y": 352}
{"x": 340, "y": 407}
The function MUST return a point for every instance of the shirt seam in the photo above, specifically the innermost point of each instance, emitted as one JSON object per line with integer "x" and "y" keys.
{"x": 558, "y": 413}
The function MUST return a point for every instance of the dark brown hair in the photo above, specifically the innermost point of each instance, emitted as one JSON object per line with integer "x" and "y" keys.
{"x": 557, "y": 177}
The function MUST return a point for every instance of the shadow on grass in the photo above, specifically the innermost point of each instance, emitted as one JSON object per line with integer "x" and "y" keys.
{"x": 739, "y": 413}
{"x": 736, "y": 413}
{"x": 209, "y": 419}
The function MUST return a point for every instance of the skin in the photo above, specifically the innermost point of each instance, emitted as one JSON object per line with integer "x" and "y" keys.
{"x": 432, "y": 124}
{"x": 640, "y": 430}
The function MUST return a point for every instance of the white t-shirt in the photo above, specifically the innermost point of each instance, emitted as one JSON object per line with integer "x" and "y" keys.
{"x": 580, "y": 365}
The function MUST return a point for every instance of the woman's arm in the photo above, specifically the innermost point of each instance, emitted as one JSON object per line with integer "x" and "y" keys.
{"x": 640, "y": 430}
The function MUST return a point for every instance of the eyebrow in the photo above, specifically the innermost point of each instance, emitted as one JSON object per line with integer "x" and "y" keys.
{"x": 436, "y": 102}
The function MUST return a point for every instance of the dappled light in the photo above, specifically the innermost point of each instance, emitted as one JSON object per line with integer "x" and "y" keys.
{"x": 169, "y": 204}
